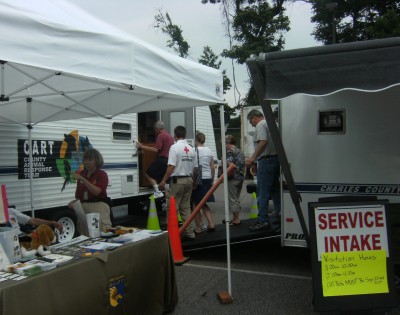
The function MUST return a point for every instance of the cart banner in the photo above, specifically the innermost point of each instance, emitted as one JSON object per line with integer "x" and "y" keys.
{"x": 53, "y": 158}
{"x": 44, "y": 156}
{"x": 350, "y": 229}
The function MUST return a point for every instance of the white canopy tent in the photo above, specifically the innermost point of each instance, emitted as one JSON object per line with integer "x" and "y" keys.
{"x": 58, "y": 62}
{"x": 68, "y": 64}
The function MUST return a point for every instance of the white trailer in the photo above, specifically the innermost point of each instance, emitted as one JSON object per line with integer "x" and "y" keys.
{"x": 345, "y": 143}
{"x": 342, "y": 137}
{"x": 59, "y": 145}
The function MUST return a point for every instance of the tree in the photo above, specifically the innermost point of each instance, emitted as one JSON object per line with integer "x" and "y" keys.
{"x": 258, "y": 27}
{"x": 209, "y": 58}
{"x": 181, "y": 46}
{"x": 389, "y": 23}
{"x": 176, "y": 41}
{"x": 253, "y": 27}
{"x": 348, "y": 21}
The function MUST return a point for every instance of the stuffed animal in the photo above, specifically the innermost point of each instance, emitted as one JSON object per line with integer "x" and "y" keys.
{"x": 41, "y": 238}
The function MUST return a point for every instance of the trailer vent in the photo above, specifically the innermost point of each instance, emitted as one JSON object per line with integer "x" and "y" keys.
{"x": 332, "y": 122}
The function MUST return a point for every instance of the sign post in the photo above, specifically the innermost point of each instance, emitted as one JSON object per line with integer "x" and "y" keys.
{"x": 351, "y": 263}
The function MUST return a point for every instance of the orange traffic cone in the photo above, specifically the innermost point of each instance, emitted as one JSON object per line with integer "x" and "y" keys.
{"x": 174, "y": 235}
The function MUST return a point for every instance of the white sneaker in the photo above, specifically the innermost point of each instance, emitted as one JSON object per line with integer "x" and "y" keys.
{"x": 203, "y": 226}
{"x": 158, "y": 194}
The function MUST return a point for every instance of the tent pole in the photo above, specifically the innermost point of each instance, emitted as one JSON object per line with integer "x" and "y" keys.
{"x": 29, "y": 126}
{"x": 226, "y": 199}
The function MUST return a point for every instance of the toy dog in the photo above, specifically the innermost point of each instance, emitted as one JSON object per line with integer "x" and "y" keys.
{"x": 41, "y": 238}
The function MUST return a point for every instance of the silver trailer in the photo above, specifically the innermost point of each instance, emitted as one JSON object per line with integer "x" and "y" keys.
{"x": 339, "y": 124}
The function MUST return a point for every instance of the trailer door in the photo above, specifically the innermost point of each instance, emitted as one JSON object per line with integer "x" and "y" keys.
{"x": 183, "y": 117}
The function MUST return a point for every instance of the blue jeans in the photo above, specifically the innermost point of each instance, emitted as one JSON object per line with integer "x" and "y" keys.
{"x": 268, "y": 187}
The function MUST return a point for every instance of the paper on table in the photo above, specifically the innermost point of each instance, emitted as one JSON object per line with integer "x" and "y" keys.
{"x": 57, "y": 258}
{"x": 100, "y": 245}
{"x": 143, "y": 234}
{"x": 82, "y": 222}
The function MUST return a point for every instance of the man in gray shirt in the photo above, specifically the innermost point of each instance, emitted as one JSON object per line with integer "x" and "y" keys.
{"x": 268, "y": 170}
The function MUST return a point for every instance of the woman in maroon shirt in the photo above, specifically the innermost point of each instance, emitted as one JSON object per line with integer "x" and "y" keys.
{"x": 91, "y": 188}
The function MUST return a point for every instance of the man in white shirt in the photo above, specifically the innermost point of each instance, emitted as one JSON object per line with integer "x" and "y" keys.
{"x": 181, "y": 161}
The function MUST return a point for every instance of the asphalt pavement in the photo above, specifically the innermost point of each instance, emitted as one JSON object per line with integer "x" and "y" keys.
{"x": 261, "y": 276}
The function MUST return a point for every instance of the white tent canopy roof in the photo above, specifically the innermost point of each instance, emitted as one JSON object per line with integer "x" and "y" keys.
{"x": 65, "y": 64}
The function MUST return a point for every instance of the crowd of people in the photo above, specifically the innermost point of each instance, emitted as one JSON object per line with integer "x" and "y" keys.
{"x": 173, "y": 169}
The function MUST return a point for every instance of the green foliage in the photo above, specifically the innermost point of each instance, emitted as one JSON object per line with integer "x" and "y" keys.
{"x": 354, "y": 20}
{"x": 209, "y": 58}
{"x": 228, "y": 113}
{"x": 251, "y": 98}
{"x": 176, "y": 41}
{"x": 210, "y": 1}
{"x": 389, "y": 23}
{"x": 258, "y": 27}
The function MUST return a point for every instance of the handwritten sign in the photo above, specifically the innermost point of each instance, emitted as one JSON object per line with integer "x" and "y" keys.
{"x": 353, "y": 273}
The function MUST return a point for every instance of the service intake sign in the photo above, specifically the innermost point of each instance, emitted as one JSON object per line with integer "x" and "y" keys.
{"x": 352, "y": 246}
{"x": 352, "y": 267}
{"x": 350, "y": 229}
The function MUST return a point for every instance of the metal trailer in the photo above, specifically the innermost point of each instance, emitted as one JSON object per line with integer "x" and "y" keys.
{"x": 339, "y": 124}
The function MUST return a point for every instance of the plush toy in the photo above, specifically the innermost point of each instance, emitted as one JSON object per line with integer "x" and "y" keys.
{"x": 41, "y": 238}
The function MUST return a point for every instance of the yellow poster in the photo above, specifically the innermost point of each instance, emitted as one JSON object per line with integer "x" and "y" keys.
{"x": 354, "y": 273}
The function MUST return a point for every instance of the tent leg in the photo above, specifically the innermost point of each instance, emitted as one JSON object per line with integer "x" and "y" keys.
{"x": 226, "y": 199}
{"x": 29, "y": 126}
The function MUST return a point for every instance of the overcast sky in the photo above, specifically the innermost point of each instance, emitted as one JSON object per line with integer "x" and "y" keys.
{"x": 201, "y": 26}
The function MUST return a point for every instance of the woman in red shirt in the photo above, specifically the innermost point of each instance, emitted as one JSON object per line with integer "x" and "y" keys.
{"x": 91, "y": 188}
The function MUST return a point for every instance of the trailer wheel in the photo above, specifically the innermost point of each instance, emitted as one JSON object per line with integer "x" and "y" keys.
{"x": 68, "y": 220}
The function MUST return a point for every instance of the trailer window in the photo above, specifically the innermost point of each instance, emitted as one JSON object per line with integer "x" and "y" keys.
{"x": 121, "y": 131}
{"x": 333, "y": 121}
{"x": 176, "y": 119}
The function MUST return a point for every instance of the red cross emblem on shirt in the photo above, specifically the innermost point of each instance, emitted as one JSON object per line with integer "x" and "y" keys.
{"x": 186, "y": 150}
